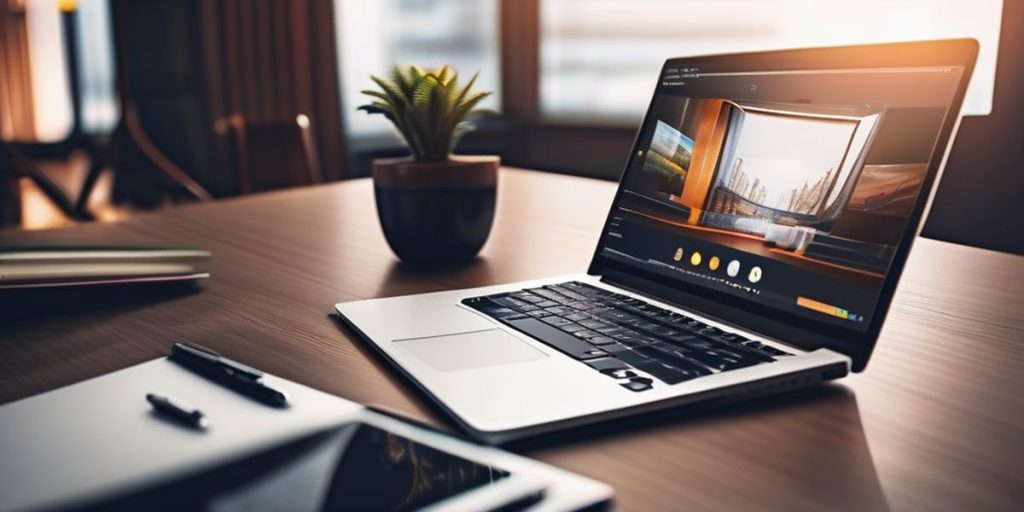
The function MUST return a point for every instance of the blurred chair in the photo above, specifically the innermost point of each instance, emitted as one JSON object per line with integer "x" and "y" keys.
{"x": 271, "y": 91}
{"x": 130, "y": 134}
{"x": 189, "y": 106}
{"x": 273, "y": 154}
{"x": 18, "y": 121}
{"x": 236, "y": 90}
{"x": 14, "y": 165}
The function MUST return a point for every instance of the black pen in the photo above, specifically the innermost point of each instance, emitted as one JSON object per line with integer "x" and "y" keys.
{"x": 177, "y": 410}
{"x": 234, "y": 375}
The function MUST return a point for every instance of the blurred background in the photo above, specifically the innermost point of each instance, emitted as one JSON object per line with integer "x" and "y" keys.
{"x": 110, "y": 107}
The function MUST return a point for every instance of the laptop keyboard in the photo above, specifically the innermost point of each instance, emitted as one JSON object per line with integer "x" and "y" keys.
{"x": 616, "y": 334}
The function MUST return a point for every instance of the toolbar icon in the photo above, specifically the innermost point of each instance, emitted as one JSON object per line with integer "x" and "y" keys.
{"x": 755, "y": 274}
{"x": 733, "y": 269}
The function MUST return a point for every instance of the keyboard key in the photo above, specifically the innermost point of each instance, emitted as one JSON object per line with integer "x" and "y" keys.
{"x": 681, "y": 338}
{"x": 595, "y": 324}
{"x": 638, "y": 384}
{"x": 676, "y": 318}
{"x": 556, "y": 321}
{"x": 511, "y": 302}
{"x": 564, "y": 291}
{"x": 601, "y": 340}
{"x": 528, "y": 297}
{"x": 651, "y": 366}
{"x": 572, "y": 328}
{"x": 586, "y": 289}
{"x": 614, "y": 347}
{"x": 567, "y": 343}
{"x": 662, "y": 331}
{"x": 611, "y": 367}
{"x": 733, "y": 337}
{"x": 490, "y": 307}
{"x": 538, "y": 313}
{"x": 774, "y": 351}
{"x": 694, "y": 342}
{"x": 611, "y": 330}
{"x": 722, "y": 360}
{"x": 695, "y": 324}
{"x": 631, "y": 357}
{"x": 550, "y": 295}
{"x": 576, "y": 317}
{"x": 675, "y": 357}
{"x": 586, "y": 334}
{"x": 617, "y": 316}
{"x": 633, "y": 339}
{"x": 620, "y": 374}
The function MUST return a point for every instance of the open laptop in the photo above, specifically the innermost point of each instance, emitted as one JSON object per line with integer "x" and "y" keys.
{"x": 754, "y": 245}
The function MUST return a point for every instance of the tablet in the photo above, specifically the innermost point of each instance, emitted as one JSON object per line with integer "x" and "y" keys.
{"x": 375, "y": 463}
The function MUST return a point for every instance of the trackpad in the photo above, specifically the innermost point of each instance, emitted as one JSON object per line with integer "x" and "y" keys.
{"x": 467, "y": 350}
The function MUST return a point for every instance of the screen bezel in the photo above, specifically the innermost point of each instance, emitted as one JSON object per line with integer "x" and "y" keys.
{"x": 786, "y": 326}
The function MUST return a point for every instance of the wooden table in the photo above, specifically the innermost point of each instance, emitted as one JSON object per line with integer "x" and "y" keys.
{"x": 933, "y": 424}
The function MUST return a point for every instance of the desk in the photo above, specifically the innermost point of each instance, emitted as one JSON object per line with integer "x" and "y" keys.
{"x": 933, "y": 424}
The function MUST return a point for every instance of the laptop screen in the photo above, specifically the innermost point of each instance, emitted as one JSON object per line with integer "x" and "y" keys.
{"x": 789, "y": 187}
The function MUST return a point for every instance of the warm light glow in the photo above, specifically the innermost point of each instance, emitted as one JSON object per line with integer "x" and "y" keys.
{"x": 51, "y": 99}
{"x": 67, "y": 5}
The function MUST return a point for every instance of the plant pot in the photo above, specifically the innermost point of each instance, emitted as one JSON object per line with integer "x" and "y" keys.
{"x": 436, "y": 212}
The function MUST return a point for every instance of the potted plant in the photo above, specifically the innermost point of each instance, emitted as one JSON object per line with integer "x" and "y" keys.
{"x": 434, "y": 207}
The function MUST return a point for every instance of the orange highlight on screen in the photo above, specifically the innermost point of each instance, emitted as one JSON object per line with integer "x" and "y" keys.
{"x": 821, "y": 307}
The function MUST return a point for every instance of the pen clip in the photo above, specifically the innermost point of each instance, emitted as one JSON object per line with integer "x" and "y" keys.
{"x": 199, "y": 348}
{"x": 233, "y": 368}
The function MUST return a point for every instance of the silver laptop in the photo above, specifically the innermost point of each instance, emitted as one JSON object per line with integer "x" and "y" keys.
{"x": 754, "y": 245}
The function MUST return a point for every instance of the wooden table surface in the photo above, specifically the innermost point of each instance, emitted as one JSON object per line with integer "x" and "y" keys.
{"x": 933, "y": 424}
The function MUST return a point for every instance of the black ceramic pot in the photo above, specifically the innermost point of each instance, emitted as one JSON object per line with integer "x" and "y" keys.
{"x": 436, "y": 212}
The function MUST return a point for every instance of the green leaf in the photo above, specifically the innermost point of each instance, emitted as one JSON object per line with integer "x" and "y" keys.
{"x": 393, "y": 92}
{"x": 466, "y": 106}
{"x": 399, "y": 78}
{"x": 377, "y": 94}
{"x": 429, "y": 109}
{"x": 444, "y": 74}
{"x": 465, "y": 90}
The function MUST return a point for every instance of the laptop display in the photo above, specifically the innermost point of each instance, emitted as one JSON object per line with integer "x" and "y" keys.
{"x": 791, "y": 186}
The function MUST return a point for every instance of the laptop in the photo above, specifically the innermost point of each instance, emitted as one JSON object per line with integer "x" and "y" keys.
{"x": 59, "y": 265}
{"x": 758, "y": 234}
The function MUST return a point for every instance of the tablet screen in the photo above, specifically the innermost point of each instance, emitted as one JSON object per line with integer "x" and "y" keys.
{"x": 360, "y": 467}
{"x": 352, "y": 467}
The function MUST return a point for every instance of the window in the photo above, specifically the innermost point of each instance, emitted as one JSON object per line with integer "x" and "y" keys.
{"x": 600, "y": 58}
{"x": 96, "y": 80}
{"x": 373, "y": 36}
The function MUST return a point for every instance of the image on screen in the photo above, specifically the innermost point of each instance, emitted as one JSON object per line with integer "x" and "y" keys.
{"x": 356, "y": 467}
{"x": 793, "y": 187}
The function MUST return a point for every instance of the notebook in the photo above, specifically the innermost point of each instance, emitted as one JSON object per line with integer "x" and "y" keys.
{"x": 95, "y": 442}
